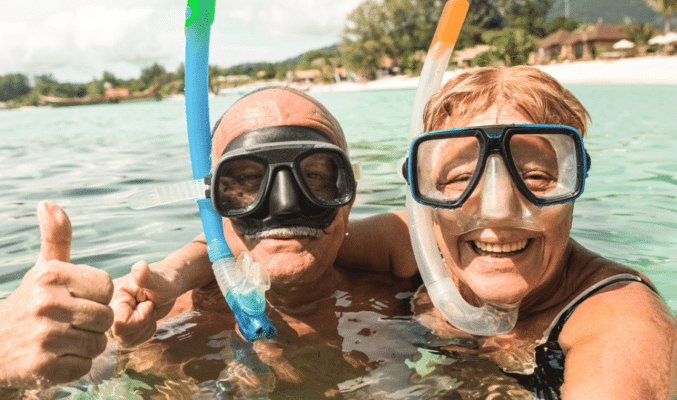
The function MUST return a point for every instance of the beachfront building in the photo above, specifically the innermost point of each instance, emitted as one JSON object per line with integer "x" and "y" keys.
{"x": 586, "y": 43}
{"x": 554, "y": 47}
{"x": 116, "y": 93}
{"x": 463, "y": 58}
{"x": 307, "y": 74}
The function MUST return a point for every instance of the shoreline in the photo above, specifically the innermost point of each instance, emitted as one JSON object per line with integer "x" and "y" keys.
{"x": 650, "y": 70}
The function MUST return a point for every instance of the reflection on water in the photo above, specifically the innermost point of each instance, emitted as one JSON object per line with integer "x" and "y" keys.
{"x": 362, "y": 343}
{"x": 90, "y": 159}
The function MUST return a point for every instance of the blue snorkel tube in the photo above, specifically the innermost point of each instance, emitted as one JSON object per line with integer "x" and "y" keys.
{"x": 242, "y": 282}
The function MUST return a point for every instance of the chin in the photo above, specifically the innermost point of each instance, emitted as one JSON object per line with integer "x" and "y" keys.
{"x": 500, "y": 290}
{"x": 288, "y": 271}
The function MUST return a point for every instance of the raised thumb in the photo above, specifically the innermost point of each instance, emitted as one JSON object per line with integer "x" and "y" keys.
{"x": 146, "y": 278}
{"x": 55, "y": 233}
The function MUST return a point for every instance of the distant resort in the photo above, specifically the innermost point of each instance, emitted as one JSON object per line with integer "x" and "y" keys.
{"x": 599, "y": 53}
{"x": 571, "y": 53}
{"x": 110, "y": 96}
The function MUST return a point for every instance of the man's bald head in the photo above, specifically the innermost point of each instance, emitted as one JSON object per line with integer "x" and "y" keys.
{"x": 274, "y": 106}
{"x": 294, "y": 257}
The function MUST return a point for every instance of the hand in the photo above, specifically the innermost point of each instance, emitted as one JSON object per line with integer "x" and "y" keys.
{"x": 54, "y": 323}
{"x": 141, "y": 298}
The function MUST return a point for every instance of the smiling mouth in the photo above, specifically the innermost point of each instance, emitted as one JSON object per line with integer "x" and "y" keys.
{"x": 500, "y": 249}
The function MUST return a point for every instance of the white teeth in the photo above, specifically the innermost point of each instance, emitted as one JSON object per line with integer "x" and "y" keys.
{"x": 501, "y": 248}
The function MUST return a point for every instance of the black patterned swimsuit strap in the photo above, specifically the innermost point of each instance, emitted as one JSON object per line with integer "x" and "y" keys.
{"x": 548, "y": 376}
{"x": 563, "y": 317}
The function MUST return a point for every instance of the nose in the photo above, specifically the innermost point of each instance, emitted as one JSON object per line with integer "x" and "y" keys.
{"x": 284, "y": 194}
{"x": 496, "y": 195}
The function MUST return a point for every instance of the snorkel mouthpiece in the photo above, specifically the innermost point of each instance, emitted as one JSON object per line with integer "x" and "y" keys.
{"x": 488, "y": 319}
{"x": 242, "y": 283}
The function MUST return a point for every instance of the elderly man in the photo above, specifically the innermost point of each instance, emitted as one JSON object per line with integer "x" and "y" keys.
{"x": 54, "y": 323}
{"x": 288, "y": 230}
{"x": 290, "y": 211}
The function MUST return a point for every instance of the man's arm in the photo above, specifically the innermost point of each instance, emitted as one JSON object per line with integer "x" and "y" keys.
{"x": 54, "y": 323}
{"x": 379, "y": 243}
{"x": 148, "y": 292}
{"x": 620, "y": 344}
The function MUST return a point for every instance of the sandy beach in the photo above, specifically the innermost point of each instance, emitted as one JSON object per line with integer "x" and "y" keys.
{"x": 654, "y": 70}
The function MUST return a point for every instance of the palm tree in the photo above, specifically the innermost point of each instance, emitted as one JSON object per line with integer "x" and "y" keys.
{"x": 665, "y": 7}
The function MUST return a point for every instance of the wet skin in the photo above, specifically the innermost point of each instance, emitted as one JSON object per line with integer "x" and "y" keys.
{"x": 500, "y": 259}
{"x": 299, "y": 265}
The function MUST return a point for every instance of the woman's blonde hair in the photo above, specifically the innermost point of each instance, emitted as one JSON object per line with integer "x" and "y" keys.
{"x": 530, "y": 91}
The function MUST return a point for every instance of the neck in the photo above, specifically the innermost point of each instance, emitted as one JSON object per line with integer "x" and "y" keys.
{"x": 553, "y": 293}
{"x": 300, "y": 297}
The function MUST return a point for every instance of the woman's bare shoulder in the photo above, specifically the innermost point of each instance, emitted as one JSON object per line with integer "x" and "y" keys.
{"x": 625, "y": 332}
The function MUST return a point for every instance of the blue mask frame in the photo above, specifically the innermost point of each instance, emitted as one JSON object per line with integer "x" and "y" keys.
{"x": 495, "y": 139}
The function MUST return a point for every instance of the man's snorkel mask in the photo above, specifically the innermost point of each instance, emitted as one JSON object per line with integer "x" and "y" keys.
{"x": 284, "y": 176}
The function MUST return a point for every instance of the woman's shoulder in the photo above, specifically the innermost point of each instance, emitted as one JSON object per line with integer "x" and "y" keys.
{"x": 606, "y": 290}
{"x": 620, "y": 328}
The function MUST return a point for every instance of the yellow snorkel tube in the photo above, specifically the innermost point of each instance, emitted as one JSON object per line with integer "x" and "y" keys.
{"x": 488, "y": 319}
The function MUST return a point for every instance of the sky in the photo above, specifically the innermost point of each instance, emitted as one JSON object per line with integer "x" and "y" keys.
{"x": 77, "y": 40}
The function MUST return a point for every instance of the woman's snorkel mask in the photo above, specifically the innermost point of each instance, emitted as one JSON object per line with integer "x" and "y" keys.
{"x": 509, "y": 176}
{"x": 488, "y": 319}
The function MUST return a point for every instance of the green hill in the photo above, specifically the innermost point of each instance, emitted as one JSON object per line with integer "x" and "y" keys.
{"x": 609, "y": 11}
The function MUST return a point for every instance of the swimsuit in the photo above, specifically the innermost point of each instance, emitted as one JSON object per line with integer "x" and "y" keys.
{"x": 546, "y": 380}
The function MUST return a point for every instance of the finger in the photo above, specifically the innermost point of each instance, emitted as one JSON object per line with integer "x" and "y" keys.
{"x": 139, "y": 327}
{"x": 76, "y": 313}
{"x": 141, "y": 274}
{"x": 68, "y": 368}
{"x": 155, "y": 285}
{"x": 82, "y": 281}
{"x": 60, "y": 369}
{"x": 93, "y": 284}
{"x": 91, "y": 316}
{"x": 55, "y": 233}
{"x": 146, "y": 278}
{"x": 76, "y": 342}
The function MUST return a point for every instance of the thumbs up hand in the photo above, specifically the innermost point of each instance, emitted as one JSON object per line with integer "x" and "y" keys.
{"x": 54, "y": 323}
{"x": 141, "y": 298}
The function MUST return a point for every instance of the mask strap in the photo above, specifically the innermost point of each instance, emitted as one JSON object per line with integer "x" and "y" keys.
{"x": 187, "y": 190}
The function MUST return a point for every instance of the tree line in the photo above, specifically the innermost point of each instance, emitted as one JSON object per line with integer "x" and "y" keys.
{"x": 17, "y": 90}
{"x": 398, "y": 30}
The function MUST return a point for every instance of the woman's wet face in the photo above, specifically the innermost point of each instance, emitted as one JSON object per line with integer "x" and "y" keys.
{"x": 498, "y": 244}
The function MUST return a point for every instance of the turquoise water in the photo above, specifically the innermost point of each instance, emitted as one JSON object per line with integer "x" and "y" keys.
{"x": 90, "y": 159}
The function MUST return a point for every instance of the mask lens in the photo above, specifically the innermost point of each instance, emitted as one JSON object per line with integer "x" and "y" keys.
{"x": 239, "y": 183}
{"x": 545, "y": 163}
{"x": 446, "y": 167}
{"x": 326, "y": 177}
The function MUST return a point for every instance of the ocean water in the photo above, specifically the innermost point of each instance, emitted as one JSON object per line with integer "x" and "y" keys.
{"x": 90, "y": 159}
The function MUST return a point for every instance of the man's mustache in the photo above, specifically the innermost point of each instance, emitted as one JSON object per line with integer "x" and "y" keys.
{"x": 286, "y": 232}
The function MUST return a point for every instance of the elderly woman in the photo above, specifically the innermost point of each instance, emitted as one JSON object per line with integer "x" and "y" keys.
{"x": 501, "y": 164}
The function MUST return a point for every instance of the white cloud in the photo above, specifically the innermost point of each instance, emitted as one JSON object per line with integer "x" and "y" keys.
{"x": 243, "y": 11}
{"x": 11, "y": 49}
{"x": 79, "y": 40}
{"x": 300, "y": 19}
{"x": 89, "y": 37}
